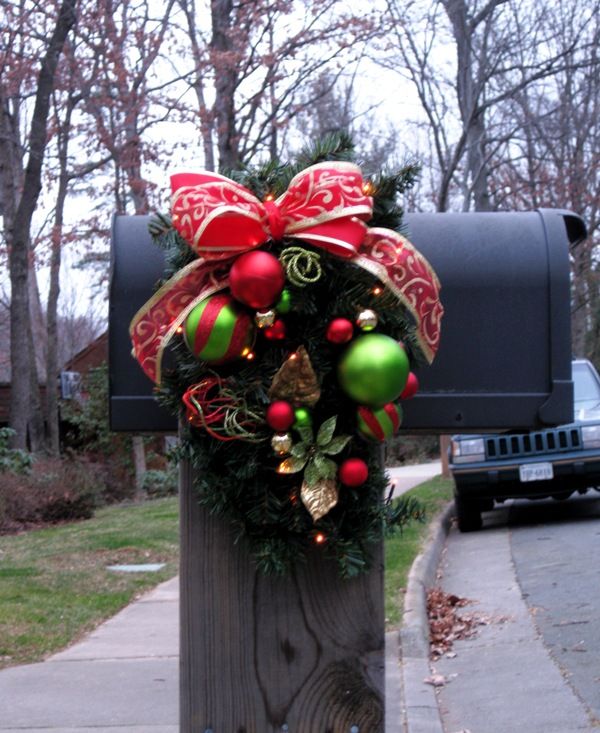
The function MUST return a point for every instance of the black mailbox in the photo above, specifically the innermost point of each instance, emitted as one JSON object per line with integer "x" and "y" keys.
{"x": 505, "y": 356}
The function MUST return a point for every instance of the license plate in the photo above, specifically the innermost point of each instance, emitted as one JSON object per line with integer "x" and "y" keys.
{"x": 536, "y": 472}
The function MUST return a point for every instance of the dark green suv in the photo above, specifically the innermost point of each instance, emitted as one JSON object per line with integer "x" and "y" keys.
{"x": 553, "y": 462}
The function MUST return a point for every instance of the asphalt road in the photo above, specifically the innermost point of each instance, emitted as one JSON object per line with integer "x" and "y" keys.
{"x": 556, "y": 551}
{"x": 533, "y": 578}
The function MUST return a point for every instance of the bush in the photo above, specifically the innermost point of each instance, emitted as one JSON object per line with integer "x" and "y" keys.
{"x": 12, "y": 459}
{"x": 158, "y": 483}
{"x": 406, "y": 449}
{"x": 55, "y": 490}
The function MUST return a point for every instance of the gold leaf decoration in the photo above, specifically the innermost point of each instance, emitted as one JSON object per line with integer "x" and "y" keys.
{"x": 296, "y": 381}
{"x": 319, "y": 498}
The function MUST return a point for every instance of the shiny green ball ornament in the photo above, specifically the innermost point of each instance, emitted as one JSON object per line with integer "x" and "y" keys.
{"x": 373, "y": 370}
{"x": 284, "y": 304}
{"x": 303, "y": 418}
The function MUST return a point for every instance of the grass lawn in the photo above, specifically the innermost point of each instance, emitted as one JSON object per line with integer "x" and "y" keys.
{"x": 401, "y": 550}
{"x": 55, "y": 586}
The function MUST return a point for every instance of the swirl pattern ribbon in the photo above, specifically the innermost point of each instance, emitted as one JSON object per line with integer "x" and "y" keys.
{"x": 403, "y": 269}
{"x": 324, "y": 205}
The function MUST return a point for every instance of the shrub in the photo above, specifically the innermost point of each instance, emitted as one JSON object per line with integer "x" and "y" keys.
{"x": 55, "y": 490}
{"x": 405, "y": 449}
{"x": 12, "y": 459}
{"x": 158, "y": 483}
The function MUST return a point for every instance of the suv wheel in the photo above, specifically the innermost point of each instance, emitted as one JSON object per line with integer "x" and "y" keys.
{"x": 468, "y": 514}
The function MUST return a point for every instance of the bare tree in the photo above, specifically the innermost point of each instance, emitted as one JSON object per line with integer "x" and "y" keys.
{"x": 555, "y": 156}
{"x": 257, "y": 61}
{"x": 500, "y": 48}
{"x": 19, "y": 207}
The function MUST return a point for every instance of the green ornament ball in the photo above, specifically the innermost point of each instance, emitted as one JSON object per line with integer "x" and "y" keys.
{"x": 373, "y": 370}
{"x": 284, "y": 304}
{"x": 303, "y": 418}
{"x": 217, "y": 330}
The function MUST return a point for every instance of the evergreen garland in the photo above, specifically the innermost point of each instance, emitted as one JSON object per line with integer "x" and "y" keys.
{"x": 239, "y": 480}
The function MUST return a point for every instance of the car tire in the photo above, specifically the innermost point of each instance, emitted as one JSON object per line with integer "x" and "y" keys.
{"x": 468, "y": 514}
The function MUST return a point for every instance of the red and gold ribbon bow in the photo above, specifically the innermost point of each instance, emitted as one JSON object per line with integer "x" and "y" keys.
{"x": 324, "y": 205}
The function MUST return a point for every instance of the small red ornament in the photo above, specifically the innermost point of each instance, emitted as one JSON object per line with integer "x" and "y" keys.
{"x": 256, "y": 279}
{"x": 280, "y": 416}
{"x": 340, "y": 331}
{"x": 276, "y": 332}
{"x": 412, "y": 387}
{"x": 353, "y": 472}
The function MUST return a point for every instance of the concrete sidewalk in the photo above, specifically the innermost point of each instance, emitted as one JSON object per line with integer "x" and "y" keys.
{"x": 123, "y": 677}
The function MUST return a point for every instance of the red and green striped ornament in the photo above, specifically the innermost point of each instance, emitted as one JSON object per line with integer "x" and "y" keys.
{"x": 379, "y": 424}
{"x": 217, "y": 330}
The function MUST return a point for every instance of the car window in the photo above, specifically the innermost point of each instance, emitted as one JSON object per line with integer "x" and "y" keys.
{"x": 587, "y": 389}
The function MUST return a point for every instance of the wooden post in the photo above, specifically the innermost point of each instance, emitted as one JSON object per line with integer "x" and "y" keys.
{"x": 302, "y": 654}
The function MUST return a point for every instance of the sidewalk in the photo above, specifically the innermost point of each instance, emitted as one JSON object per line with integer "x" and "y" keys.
{"x": 123, "y": 677}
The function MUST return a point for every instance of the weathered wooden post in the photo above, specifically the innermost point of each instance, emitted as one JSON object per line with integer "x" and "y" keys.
{"x": 305, "y": 654}
{"x": 302, "y": 653}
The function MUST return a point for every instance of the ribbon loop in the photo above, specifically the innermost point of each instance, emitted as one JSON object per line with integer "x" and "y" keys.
{"x": 324, "y": 205}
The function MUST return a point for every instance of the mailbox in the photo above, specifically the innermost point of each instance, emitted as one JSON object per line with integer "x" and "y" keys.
{"x": 505, "y": 354}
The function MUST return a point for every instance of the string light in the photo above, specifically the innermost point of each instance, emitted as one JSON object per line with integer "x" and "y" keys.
{"x": 377, "y": 290}
{"x": 247, "y": 353}
{"x": 367, "y": 188}
{"x": 179, "y": 329}
{"x": 269, "y": 197}
{"x": 284, "y": 467}
{"x": 320, "y": 538}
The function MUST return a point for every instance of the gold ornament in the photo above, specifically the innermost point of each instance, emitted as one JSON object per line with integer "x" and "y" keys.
{"x": 319, "y": 498}
{"x": 264, "y": 319}
{"x": 296, "y": 381}
{"x": 367, "y": 320}
{"x": 281, "y": 443}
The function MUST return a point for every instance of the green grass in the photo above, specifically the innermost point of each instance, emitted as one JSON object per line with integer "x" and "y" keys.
{"x": 54, "y": 585}
{"x": 401, "y": 549}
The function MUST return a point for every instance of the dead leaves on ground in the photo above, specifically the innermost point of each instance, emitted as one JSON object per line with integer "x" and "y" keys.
{"x": 446, "y": 624}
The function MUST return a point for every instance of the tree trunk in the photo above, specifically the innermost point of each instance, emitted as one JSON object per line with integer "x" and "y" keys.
{"x": 139, "y": 463}
{"x": 52, "y": 363}
{"x": 223, "y": 47}
{"x": 20, "y": 234}
{"x": 189, "y": 8}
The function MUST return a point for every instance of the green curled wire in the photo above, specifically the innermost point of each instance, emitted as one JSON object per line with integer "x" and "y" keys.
{"x": 302, "y": 267}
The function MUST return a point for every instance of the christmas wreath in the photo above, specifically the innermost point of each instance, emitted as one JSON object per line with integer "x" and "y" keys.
{"x": 294, "y": 311}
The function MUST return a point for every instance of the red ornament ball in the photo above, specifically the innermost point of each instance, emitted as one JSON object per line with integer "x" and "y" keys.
{"x": 276, "y": 332}
{"x": 280, "y": 416}
{"x": 412, "y": 387}
{"x": 353, "y": 472}
{"x": 256, "y": 279}
{"x": 340, "y": 331}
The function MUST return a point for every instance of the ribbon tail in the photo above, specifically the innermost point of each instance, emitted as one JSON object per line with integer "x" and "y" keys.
{"x": 158, "y": 320}
{"x": 409, "y": 276}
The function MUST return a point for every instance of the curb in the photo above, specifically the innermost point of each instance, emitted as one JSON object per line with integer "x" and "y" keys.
{"x": 420, "y": 710}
